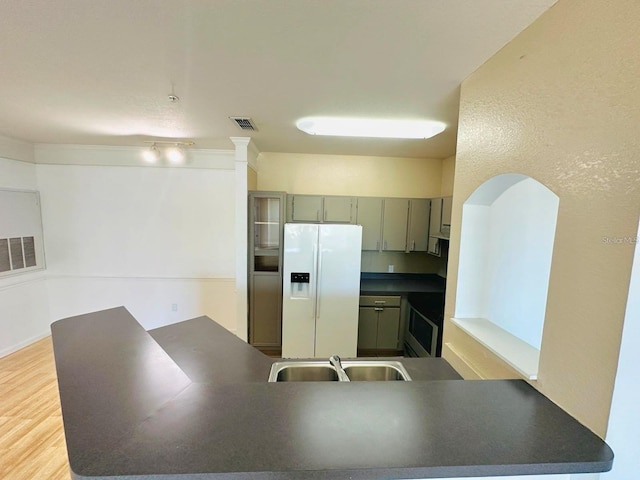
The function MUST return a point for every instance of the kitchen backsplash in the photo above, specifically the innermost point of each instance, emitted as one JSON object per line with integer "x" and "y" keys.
{"x": 417, "y": 262}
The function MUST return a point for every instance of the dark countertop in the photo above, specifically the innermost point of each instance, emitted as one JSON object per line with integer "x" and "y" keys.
{"x": 208, "y": 353}
{"x": 195, "y": 402}
{"x": 401, "y": 283}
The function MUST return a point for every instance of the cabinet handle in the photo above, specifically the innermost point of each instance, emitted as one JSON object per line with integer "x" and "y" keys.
{"x": 377, "y": 244}
{"x": 325, "y": 214}
{"x": 379, "y": 302}
{"x": 413, "y": 245}
{"x": 385, "y": 245}
{"x": 378, "y": 309}
{"x": 318, "y": 215}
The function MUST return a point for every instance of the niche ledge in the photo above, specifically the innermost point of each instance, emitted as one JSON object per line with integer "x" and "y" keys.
{"x": 516, "y": 353}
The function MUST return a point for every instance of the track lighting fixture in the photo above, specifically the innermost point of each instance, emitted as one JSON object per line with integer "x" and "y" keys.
{"x": 173, "y": 152}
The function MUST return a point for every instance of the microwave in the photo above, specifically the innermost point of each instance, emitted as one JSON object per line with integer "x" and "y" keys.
{"x": 421, "y": 337}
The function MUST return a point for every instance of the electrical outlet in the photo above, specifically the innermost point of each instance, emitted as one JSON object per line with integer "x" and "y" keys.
{"x": 174, "y": 307}
{"x": 390, "y": 270}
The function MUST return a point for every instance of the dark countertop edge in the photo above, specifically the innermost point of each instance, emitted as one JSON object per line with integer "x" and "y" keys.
{"x": 441, "y": 472}
{"x": 601, "y": 464}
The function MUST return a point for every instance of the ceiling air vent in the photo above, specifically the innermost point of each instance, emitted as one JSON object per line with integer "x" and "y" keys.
{"x": 244, "y": 123}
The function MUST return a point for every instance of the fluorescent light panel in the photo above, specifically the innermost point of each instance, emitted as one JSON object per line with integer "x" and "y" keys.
{"x": 370, "y": 127}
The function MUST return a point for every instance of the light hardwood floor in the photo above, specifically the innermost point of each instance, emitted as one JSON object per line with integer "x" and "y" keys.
{"x": 32, "y": 445}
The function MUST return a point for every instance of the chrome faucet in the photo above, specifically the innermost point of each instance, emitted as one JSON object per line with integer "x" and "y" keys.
{"x": 334, "y": 360}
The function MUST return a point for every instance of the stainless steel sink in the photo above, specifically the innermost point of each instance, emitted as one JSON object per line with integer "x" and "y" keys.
{"x": 373, "y": 371}
{"x": 302, "y": 372}
{"x": 323, "y": 371}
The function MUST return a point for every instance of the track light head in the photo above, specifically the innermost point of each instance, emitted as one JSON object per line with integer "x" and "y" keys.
{"x": 175, "y": 154}
{"x": 151, "y": 154}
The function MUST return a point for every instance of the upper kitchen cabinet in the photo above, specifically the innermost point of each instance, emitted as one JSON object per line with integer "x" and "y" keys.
{"x": 439, "y": 224}
{"x": 445, "y": 221}
{"x": 320, "y": 209}
{"x": 418, "y": 231}
{"x": 338, "y": 210}
{"x": 370, "y": 217}
{"x": 304, "y": 208}
{"x": 394, "y": 224}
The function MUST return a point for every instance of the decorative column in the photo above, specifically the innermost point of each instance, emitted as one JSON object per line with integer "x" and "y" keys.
{"x": 241, "y": 232}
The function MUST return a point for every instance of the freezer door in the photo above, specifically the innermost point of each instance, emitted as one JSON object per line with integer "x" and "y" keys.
{"x": 338, "y": 290}
{"x": 299, "y": 295}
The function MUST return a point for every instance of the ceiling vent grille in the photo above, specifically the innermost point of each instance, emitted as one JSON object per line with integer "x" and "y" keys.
{"x": 244, "y": 123}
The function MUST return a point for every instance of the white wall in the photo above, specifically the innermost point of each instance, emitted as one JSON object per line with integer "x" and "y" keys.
{"x": 24, "y": 313}
{"x": 523, "y": 226}
{"x": 156, "y": 240}
{"x": 505, "y": 255}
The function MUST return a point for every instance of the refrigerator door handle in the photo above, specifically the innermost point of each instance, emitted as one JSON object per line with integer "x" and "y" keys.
{"x": 314, "y": 288}
{"x": 318, "y": 283}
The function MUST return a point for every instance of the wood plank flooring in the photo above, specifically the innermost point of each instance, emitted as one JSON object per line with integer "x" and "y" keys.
{"x": 32, "y": 445}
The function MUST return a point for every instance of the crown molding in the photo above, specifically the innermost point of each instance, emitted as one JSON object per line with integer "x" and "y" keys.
{"x": 124, "y": 156}
{"x": 14, "y": 149}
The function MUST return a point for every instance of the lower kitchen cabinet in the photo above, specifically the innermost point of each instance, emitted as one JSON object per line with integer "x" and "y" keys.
{"x": 378, "y": 325}
{"x": 388, "y": 328}
{"x": 367, "y": 328}
{"x": 265, "y": 327}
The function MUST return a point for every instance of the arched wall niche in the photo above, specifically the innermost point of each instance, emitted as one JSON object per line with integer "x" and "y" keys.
{"x": 508, "y": 230}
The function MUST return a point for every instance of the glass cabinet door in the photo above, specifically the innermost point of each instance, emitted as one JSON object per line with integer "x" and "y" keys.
{"x": 267, "y": 233}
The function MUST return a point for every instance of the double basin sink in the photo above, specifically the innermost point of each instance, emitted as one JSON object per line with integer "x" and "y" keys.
{"x": 324, "y": 371}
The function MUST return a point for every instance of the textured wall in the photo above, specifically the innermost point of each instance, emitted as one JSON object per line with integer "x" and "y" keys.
{"x": 561, "y": 103}
{"x": 350, "y": 175}
{"x": 448, "y": 173}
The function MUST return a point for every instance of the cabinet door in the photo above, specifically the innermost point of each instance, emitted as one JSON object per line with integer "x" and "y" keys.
{"x": 265, "y": 313}
{"x": 436, "y": 216}
{"x": 445, "y": 222}
{"x": 394, "y": 224}
{"x": 418, "y": 238}
{"x": 434, "y": 246}
{"x": 306, "y": 208}
{"x": 370, "y": 217}
{"x": 338, "y": 209}
{"x": 388, "y": 328}
{"x": 367, "y": 328}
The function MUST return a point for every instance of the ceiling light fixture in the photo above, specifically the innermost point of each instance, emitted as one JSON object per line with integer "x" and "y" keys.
{"x": 370, "y": 127}
{"x": 174, "y": 152}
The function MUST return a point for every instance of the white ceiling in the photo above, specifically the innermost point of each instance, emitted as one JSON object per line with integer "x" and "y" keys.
{"x": 99, "y": 72}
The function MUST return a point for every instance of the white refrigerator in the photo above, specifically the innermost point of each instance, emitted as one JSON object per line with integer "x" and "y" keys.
{"x": 321, "y": 289}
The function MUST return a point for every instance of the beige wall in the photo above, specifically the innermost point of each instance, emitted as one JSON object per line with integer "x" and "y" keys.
{"x": 448, "y": 173}
{"x": 350, "y": 175}
{"x": 561, "y": 104}
{"x": 252, "y": 179}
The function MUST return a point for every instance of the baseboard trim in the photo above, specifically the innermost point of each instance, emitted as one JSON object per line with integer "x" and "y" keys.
{"x": 14, "y": 348}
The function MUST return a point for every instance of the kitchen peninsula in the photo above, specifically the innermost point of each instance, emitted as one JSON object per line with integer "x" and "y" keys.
{"x": 191, "y": 400}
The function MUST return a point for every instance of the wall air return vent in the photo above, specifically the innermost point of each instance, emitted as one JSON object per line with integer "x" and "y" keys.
{"x": 244, "y": 123}
{"x": 21, "y": 239}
